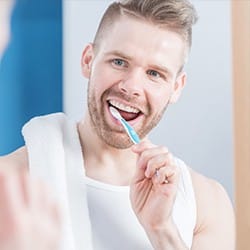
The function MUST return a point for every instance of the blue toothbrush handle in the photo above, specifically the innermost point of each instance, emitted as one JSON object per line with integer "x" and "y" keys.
{"x": 131, "y": 132}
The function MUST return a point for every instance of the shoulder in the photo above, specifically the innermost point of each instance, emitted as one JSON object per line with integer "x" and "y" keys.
{"x": 204, "y": 185}
{"x": 214, "y": 208}
{"x": 17, "y": 160}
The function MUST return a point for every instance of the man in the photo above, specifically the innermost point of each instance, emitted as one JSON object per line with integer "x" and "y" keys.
{"x": 138, "y": 196}
{"x": 29, "y": 217}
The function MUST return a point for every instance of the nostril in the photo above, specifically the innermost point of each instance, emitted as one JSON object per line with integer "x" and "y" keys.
{"x": 123, "y": 90}
{"x": 130, "y": 90}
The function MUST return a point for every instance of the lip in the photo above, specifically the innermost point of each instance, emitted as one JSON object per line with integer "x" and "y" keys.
{"x": 114, "y": 120}
{"x": 117, "y": 123}
{"x": 125, "y": 103}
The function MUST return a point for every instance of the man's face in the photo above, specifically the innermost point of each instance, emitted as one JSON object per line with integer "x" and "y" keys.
{"x": 135, "y": 69}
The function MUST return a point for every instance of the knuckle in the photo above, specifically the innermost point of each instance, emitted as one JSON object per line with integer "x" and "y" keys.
{"x": 146, "y": 145}
{"x": 145, "y": 154}
{"x": 170, "y": 155}
{"x": 171, "y": 159}
{"x": 163, "y": 149}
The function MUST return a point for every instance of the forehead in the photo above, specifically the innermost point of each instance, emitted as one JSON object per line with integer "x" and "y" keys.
{"x": 144, "y": 41}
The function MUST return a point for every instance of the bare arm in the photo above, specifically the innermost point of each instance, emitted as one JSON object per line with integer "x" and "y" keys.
{"x": 215, "y": 228}
{"x": 153, "y": 191}
{"x": 152, "y": 200}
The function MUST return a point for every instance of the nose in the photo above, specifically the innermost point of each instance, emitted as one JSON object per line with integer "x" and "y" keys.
{"x": 132, "y": 83}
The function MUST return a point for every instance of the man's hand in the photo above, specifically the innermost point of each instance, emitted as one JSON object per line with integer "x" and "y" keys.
{"x": 154, "y": 186}
{"x": 29, "y": 218}
{"x": 153, "y": 192}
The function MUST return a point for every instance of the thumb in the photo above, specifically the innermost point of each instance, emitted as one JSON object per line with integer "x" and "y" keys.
{"x": 143, "y": 145}
{"x": 139, "y": 149}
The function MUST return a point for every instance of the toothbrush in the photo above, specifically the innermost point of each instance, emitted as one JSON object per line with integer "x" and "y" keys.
{"x": 130, "y": 131}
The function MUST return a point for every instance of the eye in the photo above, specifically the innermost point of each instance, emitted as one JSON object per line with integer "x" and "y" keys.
{"x": 154, "y": 73}
{"x": 119, "y": 62}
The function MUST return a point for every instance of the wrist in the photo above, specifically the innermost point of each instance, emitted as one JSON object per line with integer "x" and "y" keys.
{"x": 166, "y": 237}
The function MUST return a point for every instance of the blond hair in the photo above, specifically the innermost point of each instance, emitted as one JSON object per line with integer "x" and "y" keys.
{"x": 176, "y": 15}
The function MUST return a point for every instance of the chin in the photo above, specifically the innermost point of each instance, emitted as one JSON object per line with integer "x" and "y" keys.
{"x": 118, "y": 143}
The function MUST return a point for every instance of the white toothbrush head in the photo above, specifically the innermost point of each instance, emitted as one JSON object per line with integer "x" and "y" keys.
{"x": 130, "y": 131}
{"x": 115, "y": 113}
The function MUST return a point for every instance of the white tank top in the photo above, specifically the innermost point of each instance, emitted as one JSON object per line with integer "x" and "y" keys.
{"x": 97, "y": 216}
{"x": 114, "y": 224}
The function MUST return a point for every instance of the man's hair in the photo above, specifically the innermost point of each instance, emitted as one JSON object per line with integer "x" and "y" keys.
{"x": 175, "y": 15}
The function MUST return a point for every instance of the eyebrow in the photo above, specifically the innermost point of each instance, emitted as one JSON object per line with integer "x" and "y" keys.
{"x": 127, "y": 57}
{"x": 162, "y": 69}
{"x": 118, "y": 54}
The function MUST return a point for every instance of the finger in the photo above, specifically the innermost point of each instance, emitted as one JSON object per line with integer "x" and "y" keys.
{"x": 46, "y": 211}
{"x": 10, "y": 191}
{"x": 56, "y": 213}
{"x": 24, "y": 187}
{"x": 4, "y": 198}
{"x": 54, "y": 225}
{"x": 31, "y": 191}
{"x": 155, "y": 163}
{"x": 167, "y": 175}
{"x": 150, "y": 154}
{"x": 43, "y": 202}
{"x": 10, "y": 204}
{"x": 48, "y": 203}
{"x": 140, "y": 172}
{"x": 143, "y": 145}
{"x": 148, "y": 151}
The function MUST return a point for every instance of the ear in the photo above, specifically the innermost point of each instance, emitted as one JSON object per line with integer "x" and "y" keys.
{"x": 87, "y": 59}
{"x": 178, "y": 87}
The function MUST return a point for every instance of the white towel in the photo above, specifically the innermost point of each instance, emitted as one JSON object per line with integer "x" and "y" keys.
{"x": 55, "y": 156}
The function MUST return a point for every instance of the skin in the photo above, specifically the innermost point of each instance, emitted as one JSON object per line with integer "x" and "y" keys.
{"x": 124, "y": 73}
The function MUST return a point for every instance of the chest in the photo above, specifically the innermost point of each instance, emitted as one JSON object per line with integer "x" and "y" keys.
{"x": 114, "y": 225}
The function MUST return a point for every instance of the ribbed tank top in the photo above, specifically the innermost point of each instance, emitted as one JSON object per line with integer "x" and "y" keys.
{"x": 114, "y": 224}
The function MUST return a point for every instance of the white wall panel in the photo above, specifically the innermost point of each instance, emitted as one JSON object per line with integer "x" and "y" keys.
{"x": 198, "y": 128}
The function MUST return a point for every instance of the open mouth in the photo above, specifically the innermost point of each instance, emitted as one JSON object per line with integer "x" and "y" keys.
{"x": 128, "y": 113}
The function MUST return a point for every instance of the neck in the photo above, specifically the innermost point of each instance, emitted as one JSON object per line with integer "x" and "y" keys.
{"x": 103, "y": 162}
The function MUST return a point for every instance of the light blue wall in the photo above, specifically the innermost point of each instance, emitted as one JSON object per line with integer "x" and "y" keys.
{"x": 31, "y": 71}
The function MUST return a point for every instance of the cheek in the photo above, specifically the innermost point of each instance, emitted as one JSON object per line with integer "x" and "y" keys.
{"x": 103, "y": 78}
{"x": 97, "y": 81}
{"x": 159, "y": 98}
{"x": 99, "y": 74}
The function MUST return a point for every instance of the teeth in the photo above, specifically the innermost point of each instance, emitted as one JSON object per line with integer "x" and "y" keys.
{"x": 124, "y": 107}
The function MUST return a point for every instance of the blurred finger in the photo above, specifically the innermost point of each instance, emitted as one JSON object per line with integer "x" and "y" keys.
{"x": 24, "y": 187}
{"x": 11, "y": 206}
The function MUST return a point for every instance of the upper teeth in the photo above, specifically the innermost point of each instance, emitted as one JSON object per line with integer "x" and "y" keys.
{"x": 124, "y": 107}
